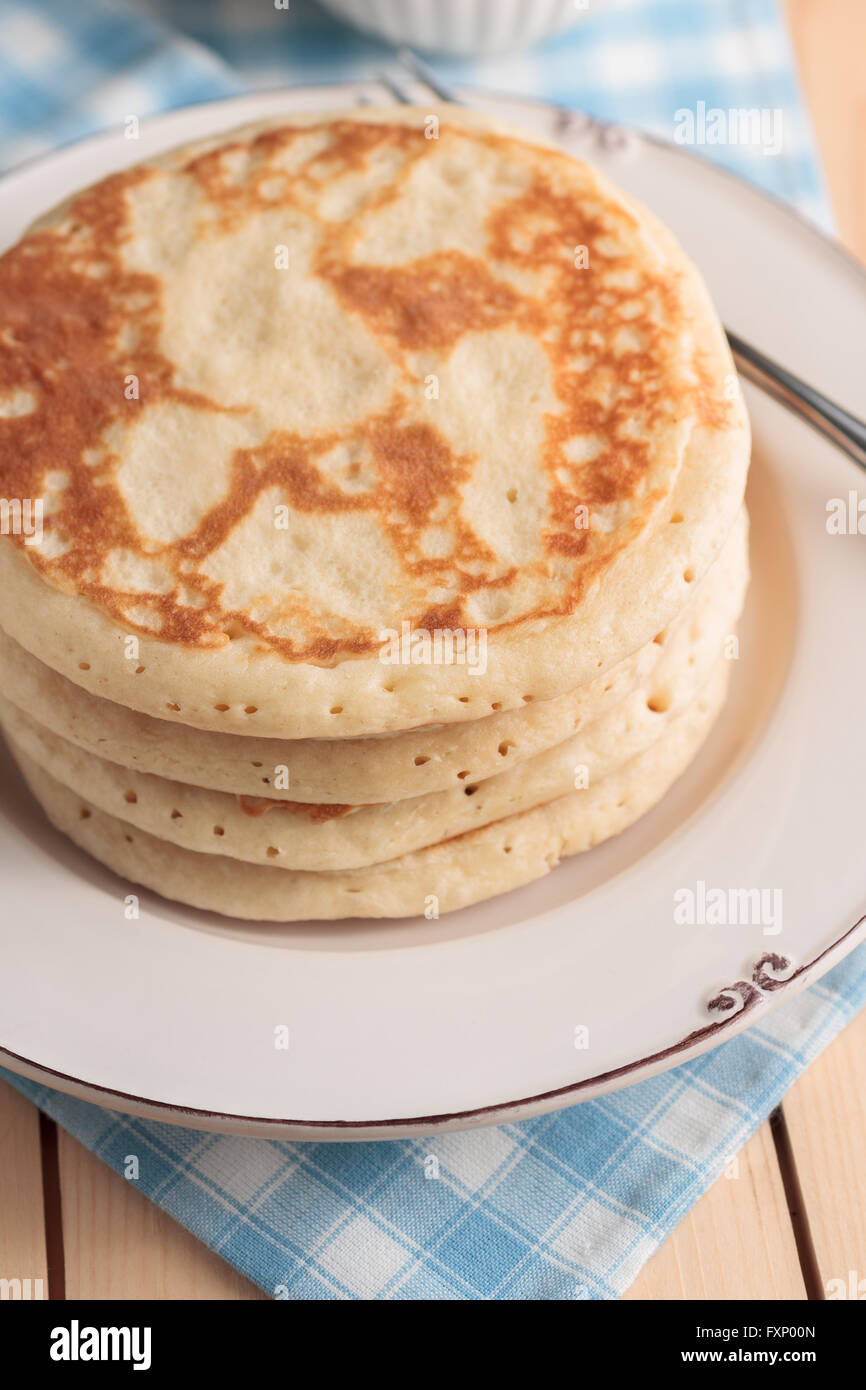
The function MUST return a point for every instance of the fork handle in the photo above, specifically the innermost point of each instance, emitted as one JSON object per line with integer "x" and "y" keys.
{"x": 838, "y": 425}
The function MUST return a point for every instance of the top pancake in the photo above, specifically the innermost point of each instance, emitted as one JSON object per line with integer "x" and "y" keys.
{"x": 312, "y": 383}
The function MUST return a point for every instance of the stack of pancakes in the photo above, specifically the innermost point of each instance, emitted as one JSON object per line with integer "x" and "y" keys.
{"x": 391, "y": 473}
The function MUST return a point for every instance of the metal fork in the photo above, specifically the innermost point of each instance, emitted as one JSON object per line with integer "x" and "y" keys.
{"x": 832, "y": 421}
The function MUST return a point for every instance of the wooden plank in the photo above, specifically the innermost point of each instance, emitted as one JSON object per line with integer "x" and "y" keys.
{"x": 119, "y": 1245}
{"x": 737, "y": 1242}
{"x": 825, "y": 1114}
{"x": 22, "y": 1227}
{"x": 830, "y": 42}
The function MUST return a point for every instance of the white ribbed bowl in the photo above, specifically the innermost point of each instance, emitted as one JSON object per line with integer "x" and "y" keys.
{"x": 466, "y": 28}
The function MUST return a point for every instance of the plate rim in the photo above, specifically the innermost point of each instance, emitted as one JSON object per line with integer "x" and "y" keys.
{"x": 753, "y": 997}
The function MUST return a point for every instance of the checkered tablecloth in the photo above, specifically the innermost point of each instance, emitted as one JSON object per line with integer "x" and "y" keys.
{"x": 569, "y": 1205}
{"x": 67, "y": 69}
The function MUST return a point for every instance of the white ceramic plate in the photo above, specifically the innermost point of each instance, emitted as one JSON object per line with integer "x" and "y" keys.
{"x": 398, "y": 1028}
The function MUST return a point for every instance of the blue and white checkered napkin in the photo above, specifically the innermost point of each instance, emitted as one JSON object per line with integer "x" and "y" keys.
{"x": 69, "y": 69}
{"x": 569, "y": 1205}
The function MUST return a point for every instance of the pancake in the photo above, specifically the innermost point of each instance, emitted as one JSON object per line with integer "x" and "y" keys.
{"x": 291, "y": 835}
{"x": 316, "y": 382}
{"x": 442, "y": 878}
{"x": 374, "y": 770}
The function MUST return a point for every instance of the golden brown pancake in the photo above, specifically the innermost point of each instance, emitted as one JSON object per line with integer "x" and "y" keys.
{"x": 318, "y": 382}
{"x": 392, "y": 767}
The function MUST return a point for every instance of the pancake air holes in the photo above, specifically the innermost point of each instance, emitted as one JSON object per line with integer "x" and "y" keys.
{"x": 688, "y": 575}
{"x": 176, "y": 814}
{"x": 128, "y": 839}
{"x": 267, "y": 781}
{"x": 504, "y": 747}
{"x": 273, "y": 851}
{"x": 659, "y": 639}
{"x": 130, "y": 797}
{"x": 497, "y": 704}
{"x": 172, "y": 704}
{"x": 234, "y": 630}
{"x": 676, "y": 519}
{"x": 218, "y": 830}
{"x": 337, "y": 709}
{"x": 388, "y": 689}
{"x": 84, "y": 665}
{"x": 139, "y": 669}
{"x": 464, "y": 699}
{"x": 421, "y": 760}
{"x": 528, "y": 699}
{"x": 506, "y": 849}
{"x": 470, "y": 791}
{"x": 511, "y": 494}
{"x": 659, "y": 704}
{"x": 608, "y": 689}
{"x": 251, "y": 709}
{"x": 83, "y": 813}
{"x": 222, "y": 708}
{"x": 462, "y": 776}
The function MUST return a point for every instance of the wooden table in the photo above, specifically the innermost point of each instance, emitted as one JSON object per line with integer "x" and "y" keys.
{"x": 792, "y": 1213}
